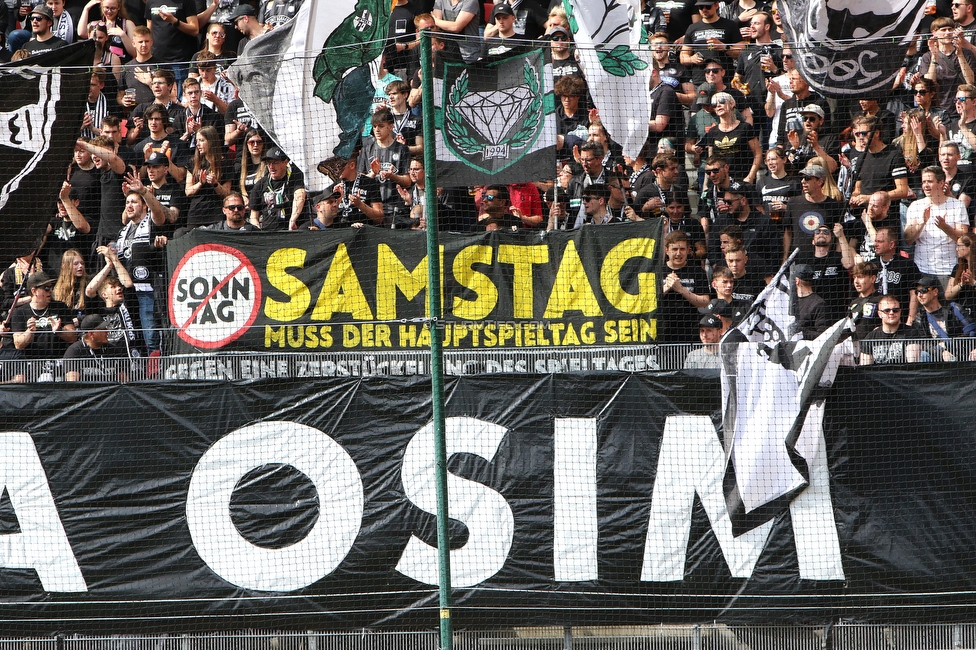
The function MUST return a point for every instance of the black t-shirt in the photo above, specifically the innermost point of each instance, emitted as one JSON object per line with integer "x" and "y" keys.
{"x": 879, "y": 171}
{"x": 888, "y": 348}
{"x": 368, "y": 191}
{"x": 205, "y": 205}
{"x": 172, "y": 195}
{"x": 964, "y": 183}
{"x": 746, "y": 288}
{"x": 86, "y": 183}
{"x": 664, "y": 101}
{"x": 811, "y": 315}
{"x": 566, "y": 67}
{"x": 830, "y": 281}
{"x": 238, "y": 112}
{"x": 93, "y": 364}
{"x": 897, "y": 278}
{"x": 409, "y": 126}
{"x": 864, "y": 311}
{"x": 805, "y": 216}
{"x": 65, "y": 236}
{"x": 144, "y": 262}
{"x": 128, "y": 80}
{"x": 46, "y": 344}
{"x": 734, "y": 147}
{"x": 792, "y": 107}
{"x": 776, "y": 189}
{"x": 181, "y": 155}
{"x": 273, "y": 199}
{"x": 395, "y": 158}
{"x": 677, "y": 320}
{"x": 123, "y": 323}
{"x": 170, "y": 45}
{"x": 698, "y": 34}
{"x": 112, "y": 205}
{"x": 35, "y": 46}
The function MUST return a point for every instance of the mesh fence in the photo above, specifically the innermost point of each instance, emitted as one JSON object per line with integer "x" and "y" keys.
{"x": 283, "y": 470}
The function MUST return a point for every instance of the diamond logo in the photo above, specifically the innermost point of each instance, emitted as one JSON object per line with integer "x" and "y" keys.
{"x": 493, "y": 114}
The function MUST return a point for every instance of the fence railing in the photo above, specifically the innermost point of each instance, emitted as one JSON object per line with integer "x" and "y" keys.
{"x": 715, "y": 636}
{"x": 263, "y": 365}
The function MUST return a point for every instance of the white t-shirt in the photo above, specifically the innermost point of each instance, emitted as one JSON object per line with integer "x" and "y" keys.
{"x": 935, "y": 251}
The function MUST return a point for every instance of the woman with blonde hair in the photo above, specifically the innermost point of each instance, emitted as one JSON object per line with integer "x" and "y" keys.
{"x": 830, "y": 185}
{"x": 116, "y": 20}
{"x": 71, "y": 283}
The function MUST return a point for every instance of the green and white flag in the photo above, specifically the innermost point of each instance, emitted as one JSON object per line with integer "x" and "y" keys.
{"x": 310, "y": 82}
{"x": 496, "y": 120}
{"x": 607, "y": 35}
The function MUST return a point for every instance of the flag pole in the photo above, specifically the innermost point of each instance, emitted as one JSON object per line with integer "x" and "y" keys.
{"x": 436, "y": 352}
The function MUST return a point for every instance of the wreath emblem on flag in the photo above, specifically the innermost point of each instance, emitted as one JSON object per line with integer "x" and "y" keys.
{"x": 492, "y": 124}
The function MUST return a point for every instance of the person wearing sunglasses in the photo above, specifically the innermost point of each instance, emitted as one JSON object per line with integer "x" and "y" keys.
{"x": 884, "y": 170}
{"x": 42, "y": 38}
{"x": 496, "y": 210}
{"x": 712, "y": 35}
{"x": 777, "y": 92}
{"x": 946, "y": 62}
{"x": 43, "y": 328}
{"x": 734, "y": 139}
{"x": 936, "y": 320}
{"x": 890, "y": 341}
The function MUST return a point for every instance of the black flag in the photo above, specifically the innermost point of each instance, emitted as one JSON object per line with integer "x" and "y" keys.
{"x": 845, "y": 48}
{"x": 42, "y": 105}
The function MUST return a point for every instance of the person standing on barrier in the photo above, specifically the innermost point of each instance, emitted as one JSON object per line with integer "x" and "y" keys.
{"x": 888, "y": 343}
{"x": 140, "y": 247}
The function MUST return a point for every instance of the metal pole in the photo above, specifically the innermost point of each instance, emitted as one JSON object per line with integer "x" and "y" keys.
{"x": 436, "y": 352}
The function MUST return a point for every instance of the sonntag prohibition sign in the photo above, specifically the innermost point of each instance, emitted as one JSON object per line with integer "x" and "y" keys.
{"x": 214, "y": 296}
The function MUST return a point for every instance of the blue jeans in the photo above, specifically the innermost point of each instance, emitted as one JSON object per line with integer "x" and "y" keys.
{"x": 147, "y": 316}
{"x": 181, "y": 71}
{"x": 17, "y": 39}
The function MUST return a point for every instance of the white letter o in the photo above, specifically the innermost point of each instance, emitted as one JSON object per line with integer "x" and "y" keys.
{"x": 310, "y": 451}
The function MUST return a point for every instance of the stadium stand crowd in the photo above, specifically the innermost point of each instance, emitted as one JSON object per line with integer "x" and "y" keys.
{"x": 744, "y": 162}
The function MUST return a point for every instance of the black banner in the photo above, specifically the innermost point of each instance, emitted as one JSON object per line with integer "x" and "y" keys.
{"x": 587, "y": 500}
{"x": 366, "y": 289}
{"x": 42, "y": 103}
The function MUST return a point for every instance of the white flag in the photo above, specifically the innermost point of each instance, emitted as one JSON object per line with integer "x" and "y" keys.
{"x": 310, "y": 82}
{"x": 607, "y": 34}
{"x": 769, "y": 375}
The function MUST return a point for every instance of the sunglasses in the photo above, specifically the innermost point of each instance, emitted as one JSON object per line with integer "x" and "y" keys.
{"x": 720, "y": 100}
{"x": 712, "y": 70}
{"x": 589, "y": 198}
{"x": 559, "y": 37}
{"x": 490, "y": 197}
{"x": 963, "y": 99}
{"x": 925, "y": 290}
{"x": 811, "y": 118}
{"x": 235, "y": 207}
{"x": 890, "y": 310}
{"x": 45, "y": 287}
{"x": 861, "y": 134}
{"x": 713, "y": 171}
{"x": 37, "y": 18}
{"x": 921, "y": 92}
{"x": 956, "y": 5}
{"x": 255, "y": 141}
